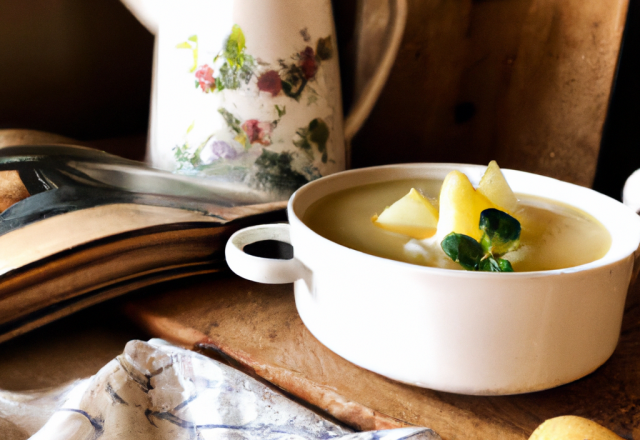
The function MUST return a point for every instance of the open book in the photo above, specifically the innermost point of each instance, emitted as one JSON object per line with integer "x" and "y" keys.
{"x": 80, "y": 226}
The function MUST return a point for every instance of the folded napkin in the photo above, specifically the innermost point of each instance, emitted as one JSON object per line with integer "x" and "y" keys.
{"x": 158, "y": 391}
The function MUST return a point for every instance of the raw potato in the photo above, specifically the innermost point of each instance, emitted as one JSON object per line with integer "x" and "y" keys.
{"x": 572, "y": 428}
{"x": 412, "y": 215}
{"x": 460, "y": 207}
{"x": 494, "y": 187}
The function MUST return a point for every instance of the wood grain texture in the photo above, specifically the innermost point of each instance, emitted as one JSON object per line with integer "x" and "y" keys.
{"x": 258, "y": 326}
{"x": 525, "y": 82}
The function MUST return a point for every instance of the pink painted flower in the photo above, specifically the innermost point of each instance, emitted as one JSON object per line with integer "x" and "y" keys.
{"x": 258, "y": 131}
{"x": 308, "y": 63}
{"x": 204, "y": 76}
{"x": 270, "y": 82}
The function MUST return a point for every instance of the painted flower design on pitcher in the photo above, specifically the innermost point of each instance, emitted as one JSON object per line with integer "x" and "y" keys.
{"x": 293, "y": 76}
{"x": 248, "y": 157}
{"x": 249, "y": 132}
{"x": 215, "y": 150}
{"x": 316, "y": 133}
{"x": 233, "y": 64}
{"x": 270, "y": 82}
{"x": 205, "y": 79}
{"x": 258, "y": 131}
{"x": 244, "y": 150}
{"x": 236, "y": 67}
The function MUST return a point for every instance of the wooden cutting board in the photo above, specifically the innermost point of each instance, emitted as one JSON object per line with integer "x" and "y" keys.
{"x": 258, "y": 327}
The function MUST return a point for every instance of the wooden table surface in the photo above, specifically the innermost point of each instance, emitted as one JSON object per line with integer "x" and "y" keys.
{"x": 257, "y": 327}
{"x": 71, "y": 348}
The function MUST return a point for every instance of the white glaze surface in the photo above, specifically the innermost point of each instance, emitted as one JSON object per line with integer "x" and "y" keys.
{"x": 465, "y": 332}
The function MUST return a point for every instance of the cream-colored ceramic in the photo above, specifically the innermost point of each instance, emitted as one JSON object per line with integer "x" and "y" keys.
{"x": 246, "y": 93}
{"x": 631, "y": 191}
{"x": 457, "y": 331}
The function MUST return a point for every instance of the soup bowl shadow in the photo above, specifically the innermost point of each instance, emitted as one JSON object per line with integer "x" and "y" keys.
{"x": 457, "y": 331}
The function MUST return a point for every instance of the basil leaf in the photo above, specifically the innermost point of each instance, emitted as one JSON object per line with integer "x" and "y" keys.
{"x": 505, "y": 265}
{"x": 462, "y": 249}
{"x": 491, "y": 264}
{"x": 501, "y": 232}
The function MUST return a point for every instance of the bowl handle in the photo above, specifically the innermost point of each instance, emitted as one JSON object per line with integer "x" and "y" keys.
{"x": 263, "y": 270}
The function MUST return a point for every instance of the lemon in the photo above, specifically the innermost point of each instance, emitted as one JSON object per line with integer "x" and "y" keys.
{"x": 412, "y": 215}
{"x": 460, "y": 207}
{"x": 572, "y": 428}
{"x": 494, "y": 187}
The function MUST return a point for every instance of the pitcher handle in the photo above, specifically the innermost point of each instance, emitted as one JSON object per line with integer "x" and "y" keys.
{"x": 146, "y": 11}
{"x": 258, "y": 269}
{"x": 370, "y": 93}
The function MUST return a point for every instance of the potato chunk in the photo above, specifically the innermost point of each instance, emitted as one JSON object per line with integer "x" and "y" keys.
{"x": 460, "y": 207}
{"x": 494, "y": 187}
{"x": 412, "y": 215}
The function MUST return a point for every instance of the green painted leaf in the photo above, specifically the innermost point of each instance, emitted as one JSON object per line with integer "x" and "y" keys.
{"x": 238, "y": 36}
{"x": 275, "y": 171}
{"x": 319, "y": 133}
{"x": 193, "y": 48}
{"x": 235, "y": 45}
{"x": 286, "y": 87}
{"x": 462, "y": 249}
{"x": 232, "y": 121}
{"x": 324, "y": 48}
{"x": 281, "y": 111}
{"x": 195, "y": 60}
{"x": 501, "y": 232}
{"x": 294, "y": 90}
{"x": 303, "y": 144}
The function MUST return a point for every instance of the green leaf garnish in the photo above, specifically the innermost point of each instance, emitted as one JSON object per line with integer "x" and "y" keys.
{"x": 495, "y": 264}
{"x": 501, "y": 234}
{"x": 505, "y": 265}
{"x": 462, "y": 249}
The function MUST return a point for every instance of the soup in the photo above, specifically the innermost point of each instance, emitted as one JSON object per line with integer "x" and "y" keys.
{"x": 554, "y": 235}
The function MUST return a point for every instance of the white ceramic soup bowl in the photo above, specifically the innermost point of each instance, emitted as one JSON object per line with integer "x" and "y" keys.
{"x": 457, "y": 331}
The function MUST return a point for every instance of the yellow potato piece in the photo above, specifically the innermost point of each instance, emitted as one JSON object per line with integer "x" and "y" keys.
{"x": 572, "y": 428}
{"x": 460, "y": 207}
{"x": 412, "y": 215}
{"x": 494, "y": 187}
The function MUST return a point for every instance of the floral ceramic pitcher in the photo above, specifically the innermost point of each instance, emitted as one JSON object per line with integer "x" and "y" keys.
{"x": 246, "y": 93}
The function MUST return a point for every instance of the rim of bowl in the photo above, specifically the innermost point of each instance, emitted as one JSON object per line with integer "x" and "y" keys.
{"x": 619, "y": 249}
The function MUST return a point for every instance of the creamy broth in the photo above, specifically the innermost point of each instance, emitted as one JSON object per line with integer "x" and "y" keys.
{"x": 554, "y": 235}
